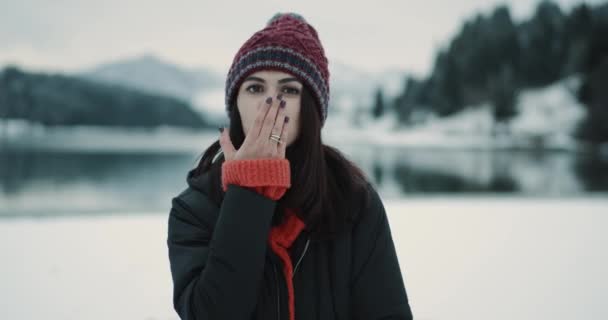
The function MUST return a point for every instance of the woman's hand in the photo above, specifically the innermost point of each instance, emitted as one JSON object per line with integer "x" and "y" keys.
{"x": 270, "y": 119}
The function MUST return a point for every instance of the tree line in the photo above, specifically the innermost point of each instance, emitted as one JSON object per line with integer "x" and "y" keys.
{"x": 55, "y": 99}
{"x": 492, "y": 58}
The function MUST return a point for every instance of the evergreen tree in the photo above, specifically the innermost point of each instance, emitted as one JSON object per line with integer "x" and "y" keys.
{"x": 405, "y": 102}
{"x": 447, "y": 97}
{"x": 593, "y": 92}
{"x": 379, "y": 108}
{"x": 578, "y": 27}
{"x": 504, "y": 95}
{"x": 545, "y": 53}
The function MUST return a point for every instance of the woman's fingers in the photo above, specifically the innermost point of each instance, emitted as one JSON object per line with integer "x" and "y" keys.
{"x": 269, "y": 121}
{"x": 277, "y": 126}
{"x": 226, "y": 144}
{"x": 258, "y": 122}
{"x": 283, "y": 145}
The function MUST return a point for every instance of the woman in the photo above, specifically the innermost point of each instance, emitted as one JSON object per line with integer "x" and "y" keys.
{"x": 276, "y": 225}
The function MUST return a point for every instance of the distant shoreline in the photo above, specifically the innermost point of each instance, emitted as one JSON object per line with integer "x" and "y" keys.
{"x": 24, "y": 135}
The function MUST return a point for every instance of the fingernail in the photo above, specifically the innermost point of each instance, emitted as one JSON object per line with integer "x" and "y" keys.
{"x": 221, "y": 129}
{"x": 280, "y": 96}
{"x": 286, "y": 119}
{"x": 269, "y": 100}
{"x": 282, "y": 104}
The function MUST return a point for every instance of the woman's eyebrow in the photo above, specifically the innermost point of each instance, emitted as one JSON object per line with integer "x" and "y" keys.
{"x": 252, "y": 78}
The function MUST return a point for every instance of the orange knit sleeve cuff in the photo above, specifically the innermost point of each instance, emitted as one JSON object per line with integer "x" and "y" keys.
{"x": 268, "y": 176}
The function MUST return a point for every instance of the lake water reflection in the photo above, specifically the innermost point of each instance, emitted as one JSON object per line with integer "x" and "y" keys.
{"x": 66, "y": 182}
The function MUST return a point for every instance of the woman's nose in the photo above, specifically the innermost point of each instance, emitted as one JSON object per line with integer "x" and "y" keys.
{"x": 273, "y": 93}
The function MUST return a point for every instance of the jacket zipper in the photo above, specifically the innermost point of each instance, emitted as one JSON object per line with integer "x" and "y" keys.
{"x": 299, "y": 260}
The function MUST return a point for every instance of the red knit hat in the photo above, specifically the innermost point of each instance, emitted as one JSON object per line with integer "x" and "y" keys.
{"x": 287, "y": 43}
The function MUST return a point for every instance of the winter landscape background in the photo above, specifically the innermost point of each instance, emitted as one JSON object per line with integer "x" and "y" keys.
{"x": 486, "y": 136}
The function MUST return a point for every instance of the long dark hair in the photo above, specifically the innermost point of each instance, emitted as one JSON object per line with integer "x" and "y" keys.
{"x": 327, "y": 190}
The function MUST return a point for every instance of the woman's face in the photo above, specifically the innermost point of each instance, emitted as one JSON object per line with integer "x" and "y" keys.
{"x": 269, "y": 83}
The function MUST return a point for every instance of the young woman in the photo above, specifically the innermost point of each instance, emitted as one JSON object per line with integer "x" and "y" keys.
{"x": 274, "y": 224}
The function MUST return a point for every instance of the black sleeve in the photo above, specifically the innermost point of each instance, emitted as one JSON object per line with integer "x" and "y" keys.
{"x": 377, "y": 285}
{"x": 216, "y": 273}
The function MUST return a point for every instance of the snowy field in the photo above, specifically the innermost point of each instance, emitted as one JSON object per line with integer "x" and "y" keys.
{"x": 462, "y": 258}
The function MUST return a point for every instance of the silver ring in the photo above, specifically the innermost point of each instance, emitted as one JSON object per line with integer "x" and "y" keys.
{"x": 276, "y": 138}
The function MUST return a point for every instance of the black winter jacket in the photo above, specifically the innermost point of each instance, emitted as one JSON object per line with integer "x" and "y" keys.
{"x": 222, "y": 267}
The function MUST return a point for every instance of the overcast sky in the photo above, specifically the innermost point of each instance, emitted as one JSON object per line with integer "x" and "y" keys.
{"x": 71, "y": 35}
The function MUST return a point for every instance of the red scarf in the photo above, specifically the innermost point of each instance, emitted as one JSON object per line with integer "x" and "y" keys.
{"x": 280, "y": 239}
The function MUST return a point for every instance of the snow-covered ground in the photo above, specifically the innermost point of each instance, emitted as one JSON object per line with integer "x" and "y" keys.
{"x": 462, "y": 258}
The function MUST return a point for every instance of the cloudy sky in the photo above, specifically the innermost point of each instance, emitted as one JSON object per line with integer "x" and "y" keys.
{"x": 70, "y": 35}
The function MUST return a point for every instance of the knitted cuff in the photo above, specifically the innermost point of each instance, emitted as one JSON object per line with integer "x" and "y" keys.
{"x": 268, "y": 176}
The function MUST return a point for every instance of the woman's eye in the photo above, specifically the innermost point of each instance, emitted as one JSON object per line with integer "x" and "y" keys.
{"x": 255, "y": 87}
{"x": 292, "y": 90}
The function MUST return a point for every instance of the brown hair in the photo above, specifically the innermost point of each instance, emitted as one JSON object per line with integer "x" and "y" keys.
{"x": 327, "y": 189}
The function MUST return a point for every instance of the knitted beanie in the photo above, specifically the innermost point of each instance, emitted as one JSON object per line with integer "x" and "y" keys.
{"x": 287, "y": 43}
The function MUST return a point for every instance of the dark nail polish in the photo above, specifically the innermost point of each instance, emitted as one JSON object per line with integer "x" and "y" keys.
{"x": 269, "y": 100}
{"x": 221, "y": 129}
{"x": 286, "y": 119}
{"x": 282, "y": 104}
{"x": 280, "y": 96}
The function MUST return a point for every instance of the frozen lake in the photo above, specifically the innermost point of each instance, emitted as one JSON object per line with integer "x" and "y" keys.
{"x": 463, "y": 257}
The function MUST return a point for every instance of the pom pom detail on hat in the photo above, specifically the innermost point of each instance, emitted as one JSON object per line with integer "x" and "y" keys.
{"x": 287, "y": 43}
{"x": 279, "y": 14}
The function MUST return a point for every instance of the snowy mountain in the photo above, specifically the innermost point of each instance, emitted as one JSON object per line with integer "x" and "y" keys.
{"x": 152, "y": 74}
